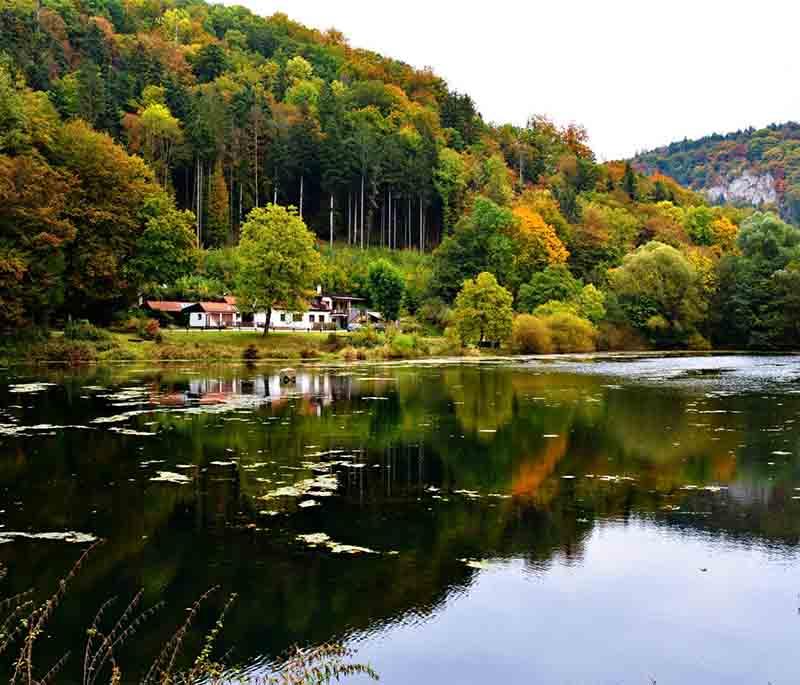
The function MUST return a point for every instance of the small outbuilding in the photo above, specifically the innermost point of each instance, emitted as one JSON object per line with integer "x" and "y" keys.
{"x": 214, "y": 315}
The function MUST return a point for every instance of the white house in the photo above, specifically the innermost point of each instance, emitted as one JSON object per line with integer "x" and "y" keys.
{"x": 315, "y": 318}
{"x": 214, "y": 315}
{"x": 325, "y": 312}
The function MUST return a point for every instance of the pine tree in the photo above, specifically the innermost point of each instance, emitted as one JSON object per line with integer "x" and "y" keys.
{"x": 629, "y": 183}
{"x": 217, "y": 227}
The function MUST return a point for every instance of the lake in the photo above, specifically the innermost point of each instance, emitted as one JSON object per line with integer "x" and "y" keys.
{"x": 585, "y": 520}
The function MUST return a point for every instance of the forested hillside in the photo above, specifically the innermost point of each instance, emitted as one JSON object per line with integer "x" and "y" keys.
{"x": 750, "y": 167}
{"x": 141, "y": 142}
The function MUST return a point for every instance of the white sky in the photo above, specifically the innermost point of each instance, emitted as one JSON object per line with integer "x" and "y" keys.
{"x": 636, "y": 73}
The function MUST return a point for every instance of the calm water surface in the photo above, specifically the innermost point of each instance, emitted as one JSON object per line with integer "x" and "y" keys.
{"x": 572, "y": 521}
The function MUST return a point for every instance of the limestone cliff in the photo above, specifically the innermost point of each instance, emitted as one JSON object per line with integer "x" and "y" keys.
{"x": 748, "y": 188}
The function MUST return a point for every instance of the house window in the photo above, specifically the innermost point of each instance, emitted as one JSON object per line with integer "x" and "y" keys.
{"x": 283, "y": 317}
{"x": 310, "y": 318}
{"x": 298, "y": 318}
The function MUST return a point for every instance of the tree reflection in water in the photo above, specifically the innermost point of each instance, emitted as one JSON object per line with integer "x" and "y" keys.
{"x": 435, "y": 465}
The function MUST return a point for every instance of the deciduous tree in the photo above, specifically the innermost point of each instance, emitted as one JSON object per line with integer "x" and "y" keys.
{"x": 280, "y": 264}
{"x": 386, "y": 288}
{"x": 482, "y": 311}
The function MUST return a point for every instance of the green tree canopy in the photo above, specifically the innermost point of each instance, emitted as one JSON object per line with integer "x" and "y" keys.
{"x": 769, "y": 241}
{"x": 167, "y": 249}
{"x": 386, "y": 288}
{"x": 280, "y": 264}
{"x": 554, "y": 283}
{"x": 659, "y": 290}
{"x": 483, "y": 311}
{"x": 478, "y": 244}
{"x": 755, "y": 305}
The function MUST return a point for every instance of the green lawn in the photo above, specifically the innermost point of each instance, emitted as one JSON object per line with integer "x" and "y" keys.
{"x": 242, "y": 339}
{"x": 230, "y": 345}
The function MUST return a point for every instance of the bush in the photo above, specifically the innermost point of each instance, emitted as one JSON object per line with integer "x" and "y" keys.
{"x": 251, "y": 353}
{"x": 334, "y": 342}
{"x": 83, "y": 330}
{"x": 401, "y": 346}
{"x": 69, "y": 352}
{"x": 409, "y": 325}
{"x": 453, "y": 344}
{"x": 620, "y": 336}
{"x": 571, "y": 333}
{"x": 309, "y": 353}
{"x": 351, "y": 354}
{"x": 435, "y": 313}
{"x": 348, "y": 353}
{"x": 150, "y": 329}
{"x": 128, "y": 321}
{"x": 367, "y": 337}
{"x": 698, "y": 342}
{"x": 116, "y": 354}
{"x": 531, "y": 335}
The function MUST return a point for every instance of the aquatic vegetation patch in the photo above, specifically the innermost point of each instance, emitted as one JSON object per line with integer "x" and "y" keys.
{"x": 170, "y": 477}
{"x": 324, "y": 540}
{"x": 324, "y": 482}
{"x": 132, "y": 432}
{"x": 119, "y": 418}
{"x": 70, "y": 536}
{"x": 39, "y": 428}
{"x": 22, "y": 388}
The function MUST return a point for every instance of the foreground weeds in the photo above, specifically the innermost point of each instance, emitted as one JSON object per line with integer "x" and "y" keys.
{"x": 23, "y": 623}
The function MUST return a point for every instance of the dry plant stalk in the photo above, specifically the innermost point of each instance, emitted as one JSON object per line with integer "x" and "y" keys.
{"x": 19, "y": 618}
{"x": 35, "y": 623}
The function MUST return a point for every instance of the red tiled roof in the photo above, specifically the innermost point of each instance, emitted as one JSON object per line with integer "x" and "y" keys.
{"x": 230, "y": 299}
{"x": 167, "y": 306}
{"x": 218, "y": 307}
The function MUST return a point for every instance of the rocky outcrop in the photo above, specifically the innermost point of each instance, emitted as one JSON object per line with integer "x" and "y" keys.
{"x": 753, "y": 189}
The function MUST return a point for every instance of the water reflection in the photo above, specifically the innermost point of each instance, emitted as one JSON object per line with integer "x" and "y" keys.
{"x": 530, "y": 471}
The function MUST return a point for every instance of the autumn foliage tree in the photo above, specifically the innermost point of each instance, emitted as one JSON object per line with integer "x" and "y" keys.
{"x": 536, "y": 242}
{"x": 35, "y": 230}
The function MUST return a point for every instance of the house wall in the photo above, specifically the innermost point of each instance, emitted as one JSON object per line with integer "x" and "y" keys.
{"x": 197, "y": 320}
{"x": 213, "y": 320}
{"x": 282, "y": 319}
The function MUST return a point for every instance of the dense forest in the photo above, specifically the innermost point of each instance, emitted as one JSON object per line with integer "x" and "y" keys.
{"x": 142, "y": 142}
{"x": 715, "y": 160}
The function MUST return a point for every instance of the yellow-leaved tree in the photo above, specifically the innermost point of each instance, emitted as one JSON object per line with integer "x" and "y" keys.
{"x": 537, "y": 244}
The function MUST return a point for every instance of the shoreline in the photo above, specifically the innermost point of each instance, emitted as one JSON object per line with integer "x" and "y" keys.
{"x": 180, "y": 346}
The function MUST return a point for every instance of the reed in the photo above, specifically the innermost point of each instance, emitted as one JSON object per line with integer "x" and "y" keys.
{"x": 22, "y": 623}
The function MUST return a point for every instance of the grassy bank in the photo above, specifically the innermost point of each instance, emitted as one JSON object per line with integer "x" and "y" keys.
{"x": 215, "y": 346}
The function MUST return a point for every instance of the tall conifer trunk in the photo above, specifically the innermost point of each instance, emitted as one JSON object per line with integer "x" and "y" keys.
{"x": 331, "y": 222}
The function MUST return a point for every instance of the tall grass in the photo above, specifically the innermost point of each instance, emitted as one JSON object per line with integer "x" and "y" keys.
{"x": 23, "y": 623}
